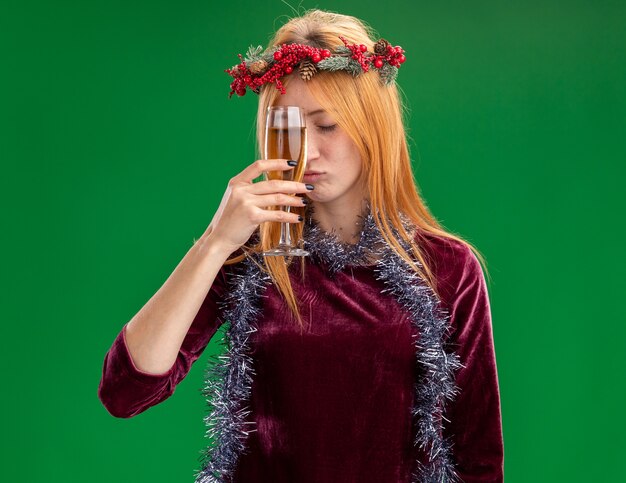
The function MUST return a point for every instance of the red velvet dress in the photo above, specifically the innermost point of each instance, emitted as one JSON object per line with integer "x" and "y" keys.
{"x": 333, "y": 404}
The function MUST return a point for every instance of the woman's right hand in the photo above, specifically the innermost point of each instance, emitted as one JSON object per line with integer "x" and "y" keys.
{"x": 243, "y": 205}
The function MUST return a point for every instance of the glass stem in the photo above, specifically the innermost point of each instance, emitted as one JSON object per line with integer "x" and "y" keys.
{"x": 285, "y": 232}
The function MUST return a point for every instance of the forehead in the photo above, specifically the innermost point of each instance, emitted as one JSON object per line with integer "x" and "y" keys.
{"x": 298, "y": 94}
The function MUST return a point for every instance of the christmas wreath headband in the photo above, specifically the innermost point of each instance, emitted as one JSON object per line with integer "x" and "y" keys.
{"x": 259, "y": 67}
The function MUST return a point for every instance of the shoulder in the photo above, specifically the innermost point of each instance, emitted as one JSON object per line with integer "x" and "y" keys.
{"x": 452, "y": 262}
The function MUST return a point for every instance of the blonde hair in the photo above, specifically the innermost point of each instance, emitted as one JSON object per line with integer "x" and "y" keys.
{"x": 372, "y": 115}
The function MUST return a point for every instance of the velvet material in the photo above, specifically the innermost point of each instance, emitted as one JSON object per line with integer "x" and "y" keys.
{"x": 333, "y": 404}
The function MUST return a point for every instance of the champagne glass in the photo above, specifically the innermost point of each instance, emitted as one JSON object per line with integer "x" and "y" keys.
{"x": 285, "y": 137}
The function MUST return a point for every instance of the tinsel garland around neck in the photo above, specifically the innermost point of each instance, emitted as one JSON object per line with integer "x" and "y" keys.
{"x": 327, "y": 249}
{"x": 229, "y": 376}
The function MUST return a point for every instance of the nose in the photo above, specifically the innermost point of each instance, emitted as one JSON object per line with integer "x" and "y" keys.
{"x": 312, "y": 149}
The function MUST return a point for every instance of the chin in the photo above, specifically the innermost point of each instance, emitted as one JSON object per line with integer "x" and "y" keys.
{"x": 320, "y": 197}
{"x": 325, "y": 193}
{"x": 313, "y": 196}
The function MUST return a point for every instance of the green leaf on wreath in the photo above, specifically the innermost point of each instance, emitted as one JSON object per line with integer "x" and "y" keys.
{"x": 253, "y": 54}
{"x": 333, "y": 63}
{"x": 388, "y": 73}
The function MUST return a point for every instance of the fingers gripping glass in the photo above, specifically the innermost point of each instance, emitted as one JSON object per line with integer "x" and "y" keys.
{"x": 285, "y": 137}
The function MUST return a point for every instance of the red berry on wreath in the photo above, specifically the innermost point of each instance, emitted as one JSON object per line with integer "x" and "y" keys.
{"x": 378, "y": 63}
{"x": 288, "y": 69}
{"x": 278, "y": 55}
{"x": 401, "y": 59}
{"x": 362, "y": 47}
{"x": 316, "y": 57}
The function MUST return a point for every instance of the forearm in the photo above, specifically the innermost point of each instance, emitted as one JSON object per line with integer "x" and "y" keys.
{"x": 155, "y": 334}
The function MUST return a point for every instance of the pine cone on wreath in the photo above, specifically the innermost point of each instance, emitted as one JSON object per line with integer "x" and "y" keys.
{"x": 307, "y": 69}
{"x": 258, "y": 66}
{"x": 380, "y": 47}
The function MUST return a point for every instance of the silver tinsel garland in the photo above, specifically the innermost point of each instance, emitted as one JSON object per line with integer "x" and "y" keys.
{"x": 229, "y": 376}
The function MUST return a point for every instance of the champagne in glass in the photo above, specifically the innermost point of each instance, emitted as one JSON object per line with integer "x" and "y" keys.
{"x": 285, "y": 137}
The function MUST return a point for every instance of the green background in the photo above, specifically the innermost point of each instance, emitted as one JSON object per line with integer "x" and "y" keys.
{"x": 117, "y": 140}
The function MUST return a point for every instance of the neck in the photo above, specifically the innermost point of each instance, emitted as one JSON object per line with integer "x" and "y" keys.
{"x": 342, "y": 219}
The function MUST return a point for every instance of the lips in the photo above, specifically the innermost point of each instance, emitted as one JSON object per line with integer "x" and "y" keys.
{"x": 312, "y": 175}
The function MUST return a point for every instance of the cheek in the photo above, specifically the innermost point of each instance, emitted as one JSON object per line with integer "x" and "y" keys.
{"x": 356, "y": 163}
{"x": 353, "y": 162}
{"x": 349, "y": 156}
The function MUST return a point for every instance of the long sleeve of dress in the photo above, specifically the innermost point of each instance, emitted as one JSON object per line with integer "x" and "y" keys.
{"x": 126, "y": 391}
{"x": 475, "y": 421}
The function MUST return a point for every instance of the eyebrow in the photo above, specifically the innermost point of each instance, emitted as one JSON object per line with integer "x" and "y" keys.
{"x": 317, "y": 111}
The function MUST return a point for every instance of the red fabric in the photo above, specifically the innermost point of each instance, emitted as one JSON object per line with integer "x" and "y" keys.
{"x": 333, "y": 404}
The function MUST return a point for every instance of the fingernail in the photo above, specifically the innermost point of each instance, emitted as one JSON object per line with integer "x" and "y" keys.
{"x": 309, "y": 186}
{"x": 304, "y": 201}
{"x": 300, "y": 218}
{"x": 291, "y": 162}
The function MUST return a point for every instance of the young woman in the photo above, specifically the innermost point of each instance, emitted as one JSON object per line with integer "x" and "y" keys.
{"x": 372, "y": 359}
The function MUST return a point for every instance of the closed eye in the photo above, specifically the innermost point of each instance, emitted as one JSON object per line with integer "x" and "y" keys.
{"x": 327, "y": 128}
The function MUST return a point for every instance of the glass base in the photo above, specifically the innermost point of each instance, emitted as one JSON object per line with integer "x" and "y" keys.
{"x": 286, "y": 251}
